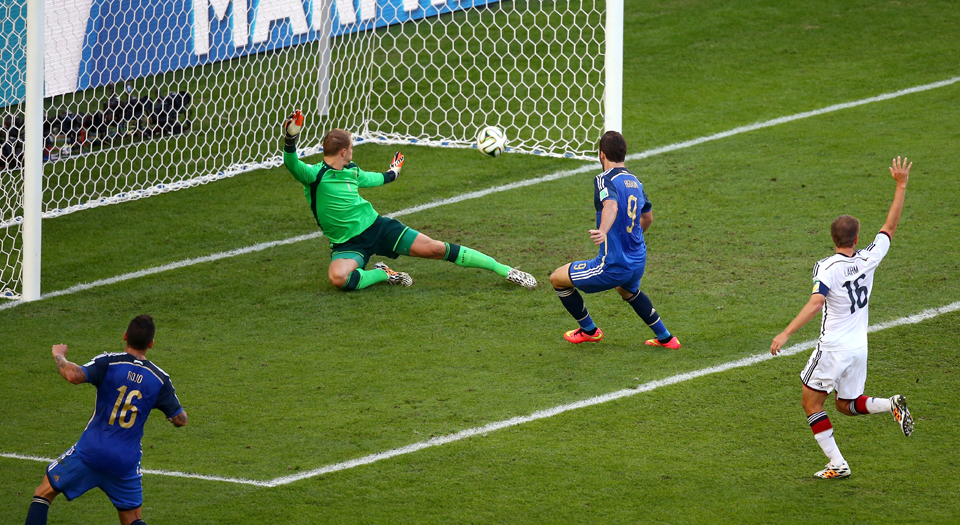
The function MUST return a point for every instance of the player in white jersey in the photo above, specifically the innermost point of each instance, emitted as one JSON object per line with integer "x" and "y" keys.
{"x": 842, "y": 284}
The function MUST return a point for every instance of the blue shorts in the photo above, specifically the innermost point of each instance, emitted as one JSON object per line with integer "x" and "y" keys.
{"x": 71, "y": 476}
{"x": 594, "y": 276}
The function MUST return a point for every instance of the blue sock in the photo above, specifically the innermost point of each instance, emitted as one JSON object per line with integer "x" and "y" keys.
{"x": 644, "y": 308}
{"x": 663, "y": 335}
{"x": 37, "y": 515}
{"x": 587, "y": 325}
{"x": 573, "y": 302}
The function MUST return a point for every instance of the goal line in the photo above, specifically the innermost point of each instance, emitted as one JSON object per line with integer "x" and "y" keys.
{"x": 497, "y": 189}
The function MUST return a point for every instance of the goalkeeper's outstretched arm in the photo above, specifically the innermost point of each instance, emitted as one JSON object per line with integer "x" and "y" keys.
{"x": 371, "y": 179}
{"x": 301, "y": 171}
{"x": 291, "y": 128}
{"x": 394, "y": 172}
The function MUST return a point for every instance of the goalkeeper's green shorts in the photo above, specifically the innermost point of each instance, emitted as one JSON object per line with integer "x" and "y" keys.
{"x": 386, "y": 236}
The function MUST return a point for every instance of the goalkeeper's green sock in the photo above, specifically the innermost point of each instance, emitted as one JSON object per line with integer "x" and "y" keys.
{"x": 467, "y": 258}
{"x": 360, "y": 279}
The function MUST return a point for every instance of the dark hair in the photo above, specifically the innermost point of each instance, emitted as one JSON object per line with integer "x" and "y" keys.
{"x": 614, "y": 146}
{"x": 140, "y": 332}
{"x": 844, "y": 231}
{"x": 335, "y": 141}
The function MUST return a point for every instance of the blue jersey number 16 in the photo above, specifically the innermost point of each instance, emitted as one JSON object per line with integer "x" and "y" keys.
{"x": 128, "y": 408}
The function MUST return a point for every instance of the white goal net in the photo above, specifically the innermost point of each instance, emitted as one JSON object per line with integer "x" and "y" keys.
{"x": 149, "y": 96}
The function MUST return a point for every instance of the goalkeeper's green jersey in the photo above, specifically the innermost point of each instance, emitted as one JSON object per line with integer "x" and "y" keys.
{"x": 333, "y": 197}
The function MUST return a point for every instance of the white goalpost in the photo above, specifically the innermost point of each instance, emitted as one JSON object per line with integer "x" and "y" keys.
{"x": 613, "y": 67}
{"x": 103, "y": 102}
{"x": 32, "y": 154}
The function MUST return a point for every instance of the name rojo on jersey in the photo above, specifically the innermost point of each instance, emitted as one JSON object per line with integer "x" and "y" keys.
{"x": 847, "y": 282}
{"x": 127, "y": 390}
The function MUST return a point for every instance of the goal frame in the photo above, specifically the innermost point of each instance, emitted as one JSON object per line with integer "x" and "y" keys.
{"x": 31, "y": 227}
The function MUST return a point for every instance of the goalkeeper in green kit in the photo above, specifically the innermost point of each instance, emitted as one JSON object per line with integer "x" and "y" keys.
{"x": 356, "y": 230}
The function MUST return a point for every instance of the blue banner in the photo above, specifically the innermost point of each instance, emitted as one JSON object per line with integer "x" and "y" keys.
{"x": 126, "y": 39}
{"x": 13, "y": 51}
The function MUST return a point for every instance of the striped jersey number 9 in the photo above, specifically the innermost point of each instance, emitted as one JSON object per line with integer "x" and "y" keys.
{"x": 125, "y": 422}
{"x": 632, "y": 212}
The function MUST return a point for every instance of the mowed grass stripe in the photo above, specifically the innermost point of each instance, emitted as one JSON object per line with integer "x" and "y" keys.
{"x": 539, "y": 414}
{"x": 497, "y": 189}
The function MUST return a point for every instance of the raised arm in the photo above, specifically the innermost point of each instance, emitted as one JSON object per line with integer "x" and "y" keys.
{"x": 305, "y": 173}
{"x": 900, "y": 171}
{"x": 70, "y": 371}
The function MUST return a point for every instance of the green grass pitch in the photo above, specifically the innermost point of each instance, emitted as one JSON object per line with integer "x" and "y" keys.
{"x": 278, "y": 379}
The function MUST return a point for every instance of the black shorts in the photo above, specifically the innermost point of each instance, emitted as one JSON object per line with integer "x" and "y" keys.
{"x": 386, "y": 236}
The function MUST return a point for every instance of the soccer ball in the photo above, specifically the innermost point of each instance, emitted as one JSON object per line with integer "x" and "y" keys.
{"x": 491, "y": 141}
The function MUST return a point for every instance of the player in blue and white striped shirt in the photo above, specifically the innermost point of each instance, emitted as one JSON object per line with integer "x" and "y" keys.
{"x": 108, "y": 452}
{"x": 623, "y": 213}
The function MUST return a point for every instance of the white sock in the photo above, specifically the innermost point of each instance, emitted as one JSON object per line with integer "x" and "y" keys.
{"x": 878, "y": 405}
{"x": 829, "y": 446}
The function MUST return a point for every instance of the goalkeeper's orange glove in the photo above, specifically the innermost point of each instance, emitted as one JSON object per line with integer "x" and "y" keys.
{"x": 292, "y": 127}
{"x": 395, "y": 166}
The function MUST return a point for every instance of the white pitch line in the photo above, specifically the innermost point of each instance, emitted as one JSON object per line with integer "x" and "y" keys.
{"x": 171, "y": 473}
{"x": 540, "y": 414}
{"x": 791, "y": 118}
{"x": 171, "y": 266}
{"x": 497, "y": 189}
{"x": 550, "y": 412}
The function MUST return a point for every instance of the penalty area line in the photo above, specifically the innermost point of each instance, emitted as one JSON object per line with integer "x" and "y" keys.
{"x": 612, "y": 396}
{"x": 535, "y": 416}
{"x": 497, "y": 189}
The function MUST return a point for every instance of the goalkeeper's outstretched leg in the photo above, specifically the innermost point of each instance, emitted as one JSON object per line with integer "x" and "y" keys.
{"x": 428, "y": 248}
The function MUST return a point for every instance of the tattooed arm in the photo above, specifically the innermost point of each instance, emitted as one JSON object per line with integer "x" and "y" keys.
{"x": 179, "y": 420}
{"x": 70, "y": 371}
